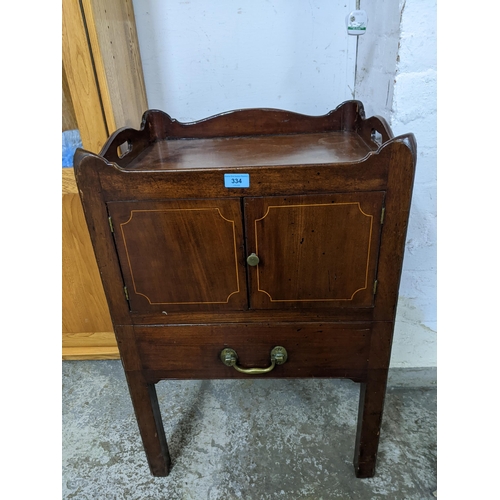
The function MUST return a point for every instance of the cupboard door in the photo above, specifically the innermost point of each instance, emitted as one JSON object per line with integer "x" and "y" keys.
{"x": 181, "y": 255}
{"x": 313, "y": 250}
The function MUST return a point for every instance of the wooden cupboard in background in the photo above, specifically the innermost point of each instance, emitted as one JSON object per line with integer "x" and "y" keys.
{"x": 102, "y": 90}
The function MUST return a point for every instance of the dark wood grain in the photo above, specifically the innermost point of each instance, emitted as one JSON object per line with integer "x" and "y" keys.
{"x": 312, "y": 212}
{"x": 157, "y": 125}
{"x": 313, "y": 249}
{"x": 148, "y": 414}
{"x": 368, "y": 175}
{"x": 87, "y": 168}
{"x": 181, "y": 255}
{"x": 320, "y": 313}
{"x": 125, "y": 145}
{"x": 398, "y": 200}
{"x": 320, "y": 350}
{"x": 305, "y": 149}
{"x": 159, "y": 134}
{"x": 371, "y": 400}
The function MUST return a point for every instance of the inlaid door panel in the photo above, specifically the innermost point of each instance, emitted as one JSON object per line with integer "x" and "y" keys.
{"x": 313, "y": 250}
{"x": 181, "y": 255}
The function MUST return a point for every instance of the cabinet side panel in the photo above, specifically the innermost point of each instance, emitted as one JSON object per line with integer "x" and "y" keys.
{"x": 87, "y": 171}
{"x": 393, "y": 236}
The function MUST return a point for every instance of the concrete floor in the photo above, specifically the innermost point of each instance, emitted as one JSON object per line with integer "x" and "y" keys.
{"x": 251, "y": 439}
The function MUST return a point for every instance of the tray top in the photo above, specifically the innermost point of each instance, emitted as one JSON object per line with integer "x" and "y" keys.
{"x": 295, "y": 149}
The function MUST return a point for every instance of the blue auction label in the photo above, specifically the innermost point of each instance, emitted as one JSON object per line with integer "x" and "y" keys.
{"x": 237, "y": 180}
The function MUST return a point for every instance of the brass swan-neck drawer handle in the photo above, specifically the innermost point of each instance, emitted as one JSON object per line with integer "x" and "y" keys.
{"x": 278, "y": 357}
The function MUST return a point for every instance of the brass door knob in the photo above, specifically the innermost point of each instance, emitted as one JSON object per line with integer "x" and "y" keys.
{"x": 252, "y": 259}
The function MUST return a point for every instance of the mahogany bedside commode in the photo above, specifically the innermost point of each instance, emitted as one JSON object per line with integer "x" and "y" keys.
{"x": 255, "y": 243}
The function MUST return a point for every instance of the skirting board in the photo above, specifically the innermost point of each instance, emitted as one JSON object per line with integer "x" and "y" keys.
{"x": 89, "y": 345}
{"x": 84, "y": 353}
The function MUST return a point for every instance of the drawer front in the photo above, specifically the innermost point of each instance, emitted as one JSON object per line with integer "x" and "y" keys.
{"x": 314, "y": 350}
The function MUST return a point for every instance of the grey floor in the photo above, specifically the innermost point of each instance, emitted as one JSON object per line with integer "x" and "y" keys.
{"x": 251, "y": 439}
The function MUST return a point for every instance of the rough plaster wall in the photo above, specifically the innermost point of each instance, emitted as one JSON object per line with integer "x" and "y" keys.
{"x": 414, "y": 110}
{"x": 396, "y": 79}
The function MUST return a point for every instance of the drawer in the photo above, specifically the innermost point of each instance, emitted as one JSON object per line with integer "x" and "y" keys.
{"x": 313, "y": 349}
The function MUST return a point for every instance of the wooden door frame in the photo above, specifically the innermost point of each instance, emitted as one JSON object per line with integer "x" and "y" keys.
{"x": 102, "y": 65}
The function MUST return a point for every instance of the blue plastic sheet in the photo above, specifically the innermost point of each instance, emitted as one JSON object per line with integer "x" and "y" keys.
{"x": 70, "y": 141}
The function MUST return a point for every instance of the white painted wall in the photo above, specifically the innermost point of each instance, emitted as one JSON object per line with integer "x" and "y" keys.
{"x": 377, "y": 57}
{"x": 204, "y": 57}
{"x": 201, "y": 58}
